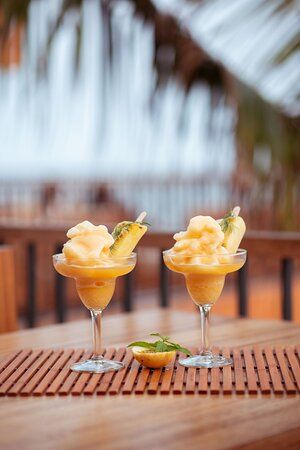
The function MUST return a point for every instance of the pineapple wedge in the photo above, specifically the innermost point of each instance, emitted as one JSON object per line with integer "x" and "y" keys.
{"x": 233, "y": 227}
{"x": 126, "y": 235}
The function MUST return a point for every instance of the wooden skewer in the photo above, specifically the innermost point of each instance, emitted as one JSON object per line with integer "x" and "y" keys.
{"x": 141, "y": 217}
{"x": 236, "y": 211}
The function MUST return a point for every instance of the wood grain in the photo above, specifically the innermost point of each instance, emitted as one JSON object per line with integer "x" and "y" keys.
{"x": 238, "y": 372}
{"x": 8, "y": 296}
{"x": 107, "y": 377}
{"x": 251, "y": 375}
{"x": 274, "y": 372}
{"x": 146, "y": 421}
{"x": 264, "y": 379}
{"x": 227, "y": 374}
{"x": 41, "y": 367}
{"x": 96, "y": 377}
{"x": 57, "y": 383}
{"x": 120, "y": 376}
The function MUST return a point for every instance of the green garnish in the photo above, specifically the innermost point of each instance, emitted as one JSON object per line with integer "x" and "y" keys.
{"x": 226, "y": 223}
{"x": 124, "y": 227}
{"x": 162, "y": 345}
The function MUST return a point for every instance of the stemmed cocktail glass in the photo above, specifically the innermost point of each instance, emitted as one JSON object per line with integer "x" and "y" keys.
{"x": 204, "y": 282}
{"x": 95, "y": 284}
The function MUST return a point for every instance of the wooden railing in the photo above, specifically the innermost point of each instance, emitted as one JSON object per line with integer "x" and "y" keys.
{"x": 264, "y": 246}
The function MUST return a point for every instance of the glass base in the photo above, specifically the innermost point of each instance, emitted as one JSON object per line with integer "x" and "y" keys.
{"x": 206, "y": 361}
{"x": 97, "y": 366}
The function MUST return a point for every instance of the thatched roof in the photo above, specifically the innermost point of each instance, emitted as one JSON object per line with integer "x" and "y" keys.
{"x": 258, "y": 41}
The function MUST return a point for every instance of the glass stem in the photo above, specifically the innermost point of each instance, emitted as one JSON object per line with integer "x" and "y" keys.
{"x": 96, "y": 330}
{"x": 204, "y": 314}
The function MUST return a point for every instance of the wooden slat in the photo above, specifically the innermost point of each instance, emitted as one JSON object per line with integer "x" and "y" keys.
{"x": 227, "y": 374}
{"x": 154, "y": 381}
{"x": 120, "y": 376}
{"x": 238, "y": 372}
{"x": 167, "y": 378}
{"x": 190, "y": 385}
{"x": 29, "y": 423}
{"x": 48, "y": 372}
{"x": 95, "y": 378}
{"x": 63, "y": 374}
{"x": 215, "y": 375}
{"x": 288, "y": 382}
{"x": 203, "y": 381}
{"x": 264, "y": 381}
{"x": 71, "y": 376}
{"x": 14, "y": 365}
{"x": 274, "y": 373}
{"x": 25, "y": 378}
{"x": 179, "y": 376}
{"x": 294, "y": 364}
{"x": 81, "y": 383}
{"x": 250, "y": 371}
{"x": 8, "y": 295}
{"x": 83, "y": 380}
{"x": 107, "y": 377}
{"x": 215, "y": 379}
{"x": 7, "y": 360}
{"x": 53, "y": 372}
{"x": 142, "y": 381}
{"x": 14, "y": 377}
{"x": 131, "y": 377}
{"x": 47, "y": 361}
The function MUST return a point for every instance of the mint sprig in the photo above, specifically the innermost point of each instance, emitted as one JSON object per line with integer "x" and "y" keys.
{"x": 163, "y": 344}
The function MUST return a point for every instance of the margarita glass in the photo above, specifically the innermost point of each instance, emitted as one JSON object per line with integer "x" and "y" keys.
{"x": 95, "y": 283}
{"x": 204, "y": 281}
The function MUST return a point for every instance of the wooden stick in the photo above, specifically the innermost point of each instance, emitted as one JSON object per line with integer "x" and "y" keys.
{"x": 288, "y": 382}
{"x": 118, "y": 380}
{"x": 238, "y": 372}
{"x": 227, "y": 374}
{"x": 18, "y": 386}
{"x": 274, "y": 373}
{"x": 57, "y": 383}
{"x": 96, "y": 377}
{"x": 16, "y": 375}
{"x": 107, "y": 377}
{"x": 53, "y": 372}
{"x": 250, "y": 371}
{"x": 43, "y": 364}
{"x": 131, "y": 377}
{"x": 263, "y": 375}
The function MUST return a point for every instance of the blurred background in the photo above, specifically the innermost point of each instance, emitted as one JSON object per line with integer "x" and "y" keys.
{"x": 176, "y": 107}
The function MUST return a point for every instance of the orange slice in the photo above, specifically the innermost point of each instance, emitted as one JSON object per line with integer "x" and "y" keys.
{"x": 153, "y": 360}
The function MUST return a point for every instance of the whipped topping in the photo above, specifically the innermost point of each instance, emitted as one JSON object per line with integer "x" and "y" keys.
{"x": 203, "y": 237}
{"x": 87, "y": 242}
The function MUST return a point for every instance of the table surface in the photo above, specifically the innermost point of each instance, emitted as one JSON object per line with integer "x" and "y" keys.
{"x": 156, "y": 422}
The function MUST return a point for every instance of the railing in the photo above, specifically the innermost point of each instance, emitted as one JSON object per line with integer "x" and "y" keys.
{"x": 263, "y": 245}
{"x": 179, "y": 199}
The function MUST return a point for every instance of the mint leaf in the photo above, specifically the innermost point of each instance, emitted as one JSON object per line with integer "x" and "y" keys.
{"x": 144, "y": 223}
{"x": 162, "y": 345}
{"x": 163, "y": 338}
{"x": 184, "y": 350}
{"x": 144, "y": 344}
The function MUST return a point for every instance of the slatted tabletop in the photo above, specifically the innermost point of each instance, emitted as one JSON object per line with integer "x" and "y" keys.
{"x": 44, "y": 405}
{"x": 254, "y": 371}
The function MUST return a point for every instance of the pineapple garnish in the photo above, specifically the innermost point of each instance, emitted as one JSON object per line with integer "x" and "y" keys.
{"x": 127, "y": 234}
{"x": 233, "y": 227}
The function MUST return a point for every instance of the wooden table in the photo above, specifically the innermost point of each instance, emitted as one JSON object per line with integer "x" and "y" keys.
{"x": 151, "y": 422}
